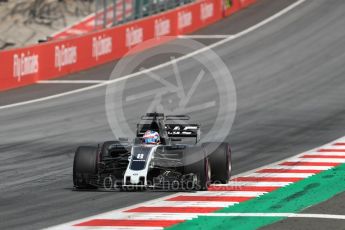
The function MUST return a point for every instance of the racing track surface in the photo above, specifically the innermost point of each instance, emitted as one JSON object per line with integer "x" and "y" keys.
{"x": 289, "y": 77}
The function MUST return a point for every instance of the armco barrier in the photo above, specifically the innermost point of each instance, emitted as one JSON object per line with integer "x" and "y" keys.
{"x": 24, "y": 66}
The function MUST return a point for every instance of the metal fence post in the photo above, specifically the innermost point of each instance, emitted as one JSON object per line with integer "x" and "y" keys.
{"x": 124, "y": 9}
{"x": 134, "y": 6}
{"x": 96, "y": 14}
{"x": 105, "y": 13}
{"x": 166, "y": 5}
{"x": 140, "y": 7}
{"x": 114, "y": 12}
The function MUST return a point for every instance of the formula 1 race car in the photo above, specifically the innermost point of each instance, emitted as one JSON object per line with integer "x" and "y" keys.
{"x": 172, "y": 164}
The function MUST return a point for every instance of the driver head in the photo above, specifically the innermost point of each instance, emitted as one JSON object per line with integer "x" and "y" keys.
{"x": 151, "y": 137}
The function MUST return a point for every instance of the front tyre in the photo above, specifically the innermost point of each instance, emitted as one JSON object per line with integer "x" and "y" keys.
{"x": 85, "y": 167}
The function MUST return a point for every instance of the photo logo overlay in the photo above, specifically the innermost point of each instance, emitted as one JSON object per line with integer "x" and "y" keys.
{"x": 199, "y": 85}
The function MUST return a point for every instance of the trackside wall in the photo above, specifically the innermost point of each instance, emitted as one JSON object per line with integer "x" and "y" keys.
{"x": 25, "y": 66}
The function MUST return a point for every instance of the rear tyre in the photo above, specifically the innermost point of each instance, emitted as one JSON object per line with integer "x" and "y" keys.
{"x": 197, "y": 163}
{"x": 220, "y": 159}
{"x": 85, "y": 167}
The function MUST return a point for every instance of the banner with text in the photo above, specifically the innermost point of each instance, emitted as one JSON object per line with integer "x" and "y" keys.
{"x": 24, "y": 66}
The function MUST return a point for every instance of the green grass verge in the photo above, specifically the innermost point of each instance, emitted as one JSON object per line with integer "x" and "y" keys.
{"x": 290, "y": 199}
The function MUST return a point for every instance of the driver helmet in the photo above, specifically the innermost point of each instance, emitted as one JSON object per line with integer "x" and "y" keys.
{"x": 151, "y": 137}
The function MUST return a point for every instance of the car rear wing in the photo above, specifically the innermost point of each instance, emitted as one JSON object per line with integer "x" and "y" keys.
{"x": 153, "y": 116}
{"x": 177, "y": 118}
{"x": 183, "y": 131}
{"x": 175, "y": 126}
{"x": 161, "y": 116}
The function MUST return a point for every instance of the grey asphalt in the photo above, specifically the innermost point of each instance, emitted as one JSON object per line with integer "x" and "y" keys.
{"x": 289, "y": 77}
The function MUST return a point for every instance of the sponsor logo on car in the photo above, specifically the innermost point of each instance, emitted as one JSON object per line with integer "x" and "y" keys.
{"x": 25, "y": 64}
{"x": 65, "y": 56}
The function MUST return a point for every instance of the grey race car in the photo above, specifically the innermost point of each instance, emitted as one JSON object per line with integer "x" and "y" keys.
{"x": 174, "y": 164}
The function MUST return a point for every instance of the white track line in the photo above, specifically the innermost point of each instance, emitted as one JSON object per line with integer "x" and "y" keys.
{"x": 282, "y": 175}
{"x": 324, "y": 160}
{"x": 149, "y": 216}
{"x": 334, "y": 147}
{"x": 322, "y": 168}
{"x": 224, "y": 193}
{"x": 177, "y": 216}
{"x": 241, "y": 34}
{"x": 71, "y": 81}
{"x": 289, "y": 215}
{"x": 204, "y": 36}
{"x": 254, "y": 183}
{"x": 110, "y": 228}
{"x": 198, "y": 204}
{"x": 326, "y": 154}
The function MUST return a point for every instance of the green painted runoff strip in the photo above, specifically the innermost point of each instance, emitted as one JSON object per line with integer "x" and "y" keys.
{"x": 290, "y": 199}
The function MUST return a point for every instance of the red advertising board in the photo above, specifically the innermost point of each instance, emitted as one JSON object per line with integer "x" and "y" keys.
{"x": 232, "y": 6}
{"x": 25, "y": 66}
{"x": 19, "y": 67}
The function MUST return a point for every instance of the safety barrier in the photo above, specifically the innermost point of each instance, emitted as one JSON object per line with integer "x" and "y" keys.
{"x": 232, "y": 6}
{"x": 25, "y": 66}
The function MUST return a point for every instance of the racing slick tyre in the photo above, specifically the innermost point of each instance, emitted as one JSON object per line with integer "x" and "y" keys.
{"x": 220, "y": 159}
{"x": 197, "y": 163}
{"x": 84, "y": 167}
